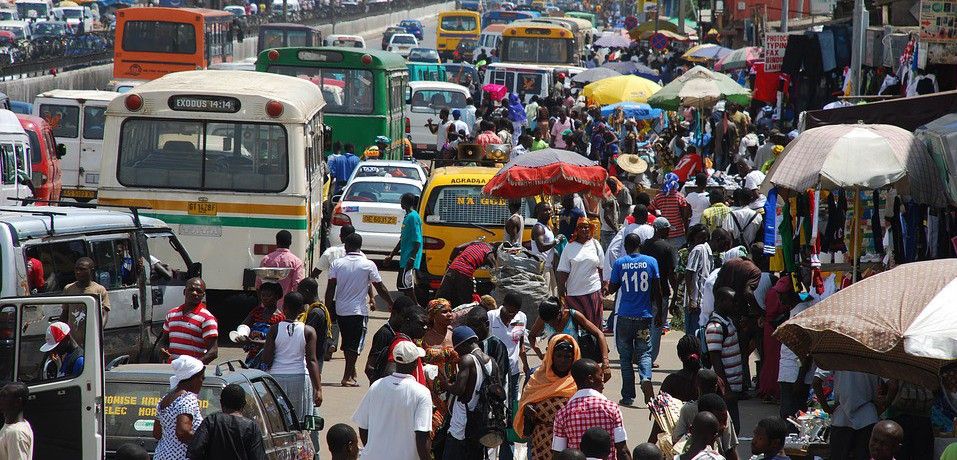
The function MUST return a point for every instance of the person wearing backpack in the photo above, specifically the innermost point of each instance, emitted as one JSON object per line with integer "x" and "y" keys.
{"x": 478, "y": 411}
{"x": 724, "y": 349}
{"x": 744, "y": 224}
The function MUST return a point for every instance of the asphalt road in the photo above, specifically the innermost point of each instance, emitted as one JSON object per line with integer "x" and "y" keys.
{"x": 339, "y": 403}
{"x": 373, "y": 38}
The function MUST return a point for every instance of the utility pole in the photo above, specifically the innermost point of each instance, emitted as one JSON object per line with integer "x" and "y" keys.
{"x": 857, "y": 45}
{"x": 681, "y": 17}
{"x": 285, "y": 10}
{"x": 657, "y": 13}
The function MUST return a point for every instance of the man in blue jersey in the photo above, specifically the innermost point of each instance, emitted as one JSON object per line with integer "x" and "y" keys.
{"x": 636, "y": 276}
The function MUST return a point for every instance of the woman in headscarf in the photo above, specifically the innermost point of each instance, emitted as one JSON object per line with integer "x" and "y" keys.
{"x": 437, "y": 343}
{"x": 547, "y": 391}
{"x": 579, "y": 272}
{"x": 673, "y": 206}
{"x": 177, "y": 414}
{"x": 516, "y": 114}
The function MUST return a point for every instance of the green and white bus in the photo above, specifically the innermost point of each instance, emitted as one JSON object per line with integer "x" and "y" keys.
{"x": 364, "y": 90}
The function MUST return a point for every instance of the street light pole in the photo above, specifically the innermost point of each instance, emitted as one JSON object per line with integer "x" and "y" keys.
{"x": 785, "y": 6}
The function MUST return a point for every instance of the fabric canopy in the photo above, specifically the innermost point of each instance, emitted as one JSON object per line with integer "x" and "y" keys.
{"x": 908, "y": 113}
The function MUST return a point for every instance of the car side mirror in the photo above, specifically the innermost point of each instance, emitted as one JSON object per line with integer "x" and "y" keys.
{"x": 195, "y": 270}
{"x": 60, "y": 150}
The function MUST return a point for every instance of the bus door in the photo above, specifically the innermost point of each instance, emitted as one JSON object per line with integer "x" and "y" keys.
{"x": 315, "y": 138}
{"x": 78, "y": 125}
{"x": 65, "y": 404}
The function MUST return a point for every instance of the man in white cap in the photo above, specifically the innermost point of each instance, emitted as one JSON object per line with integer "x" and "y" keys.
{"x": 63, "y": 350}
{"x": 395, "y": 416}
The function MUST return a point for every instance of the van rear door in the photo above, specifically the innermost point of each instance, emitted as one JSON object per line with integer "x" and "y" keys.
{"x": 65, "y": 406}
{"x": 63, "y": 116}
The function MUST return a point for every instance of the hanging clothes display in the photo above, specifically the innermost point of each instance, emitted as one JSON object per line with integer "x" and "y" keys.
{"x": 825, "y": 41}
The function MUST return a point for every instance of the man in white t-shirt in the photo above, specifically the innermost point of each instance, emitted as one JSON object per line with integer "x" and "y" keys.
{"x": 330, "y": 255}
{"x": 458, "y": 125}
{"x": 16, "y": 435}
{"x": 699, "y": 200}
{"x": 349, "y": 280}
{"x": 395, "y": 415}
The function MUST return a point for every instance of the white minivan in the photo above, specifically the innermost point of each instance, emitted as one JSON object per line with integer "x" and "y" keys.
{"x": 522, "y": 79}
{"x": 77, "y": 118}
{"x": 424, "y": 100}
{"x": 16, "y": 166}
{"x": 490, "y": 38}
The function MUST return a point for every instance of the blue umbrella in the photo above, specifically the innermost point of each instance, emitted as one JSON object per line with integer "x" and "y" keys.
{"x": 636, "y": 110}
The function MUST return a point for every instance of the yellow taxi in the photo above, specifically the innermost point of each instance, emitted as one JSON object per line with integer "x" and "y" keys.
{"x": 454, "y": 211}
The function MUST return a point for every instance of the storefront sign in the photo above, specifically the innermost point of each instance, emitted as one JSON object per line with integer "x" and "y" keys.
{"x": 774, "y": 46}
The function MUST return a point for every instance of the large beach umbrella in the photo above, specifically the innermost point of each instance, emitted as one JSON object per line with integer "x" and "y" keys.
{"x": 613, "y": 40}
{"x": 595, "y": 74}
{"x": 636, "y": 110}
{"x": 633, "y": 68}
{"x": 741, "y": 58}
{"x": 705, "y": 52}
{"x": 859, "y": 156}
{"x": 549, "y": 172}
{"x": 626, "y": 88}
{"x": 896, "y": 324}
{"x": 699, "y": 87}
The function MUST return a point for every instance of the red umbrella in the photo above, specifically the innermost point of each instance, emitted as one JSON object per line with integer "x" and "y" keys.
{"x": 548, "y": 172}
{"x": 497, "y": 92}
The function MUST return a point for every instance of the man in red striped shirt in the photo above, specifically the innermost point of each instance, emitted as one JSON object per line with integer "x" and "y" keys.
{"x": 190, "y": 329}
{"x": 458, "y": 284}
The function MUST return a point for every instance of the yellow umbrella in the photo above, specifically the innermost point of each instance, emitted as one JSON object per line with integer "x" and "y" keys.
{"x": 68, "y": 3}
{"x": 626, "y": 88}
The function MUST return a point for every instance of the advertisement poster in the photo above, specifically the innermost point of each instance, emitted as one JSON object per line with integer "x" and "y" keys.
{"x": 937, "y": 21}
{"x": 774, "y": 46}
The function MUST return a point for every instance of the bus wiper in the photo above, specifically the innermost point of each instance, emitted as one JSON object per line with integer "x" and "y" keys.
{"x": 482, "y": 228}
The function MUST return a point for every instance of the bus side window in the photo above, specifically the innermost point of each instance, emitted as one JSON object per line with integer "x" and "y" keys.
{"x": 58, "y": 260}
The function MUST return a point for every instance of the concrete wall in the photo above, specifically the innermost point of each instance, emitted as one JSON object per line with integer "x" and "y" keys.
{"x": 97, "y": 77}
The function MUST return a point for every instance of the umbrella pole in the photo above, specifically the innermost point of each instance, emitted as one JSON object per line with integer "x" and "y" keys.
{"x": 857, "y": 229}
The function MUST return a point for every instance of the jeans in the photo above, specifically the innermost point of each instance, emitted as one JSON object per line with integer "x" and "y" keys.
{"x": 655, "y": 341}
{"x": 633, "y": 337}
{"x": 691, "y": 321}
{"x": 793, "y": 398}
{"x": 733, "y": 413}
{"x": 505, "y": 450}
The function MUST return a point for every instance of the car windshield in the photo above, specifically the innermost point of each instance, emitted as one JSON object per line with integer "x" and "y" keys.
{"x": 437, "y": 100}
{"x": 403, "y": 40}
{"x": 424, "y": 55}
{"x": 72, "y": 14}
{"x": 374, "y": 170}
{"x": 465, "y": 204}
{"x": 410, "y": 24}
{"x": 48, "y": 28}
{"x": 17, "y": 31}
{"x": 130, "y": 408}
{"x": 379, "y": 192}
{"x": 347, "y": 42}
{"x": 6, "y": 15}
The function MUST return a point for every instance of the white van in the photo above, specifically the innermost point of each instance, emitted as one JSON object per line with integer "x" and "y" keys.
{"x": 74, "y": 16}
{"x": 424, "y": 100}
{"x": 522, "y": 79}
{"x": 20, "y": 29}
{"x": 16, "y": 166}
{"x": 490, "y": 38}
{"x": 347, "y": 41}
{"x": 77, "y": 118}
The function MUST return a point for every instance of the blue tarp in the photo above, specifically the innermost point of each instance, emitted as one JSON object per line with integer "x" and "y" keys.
{"x": 637, "y": 110}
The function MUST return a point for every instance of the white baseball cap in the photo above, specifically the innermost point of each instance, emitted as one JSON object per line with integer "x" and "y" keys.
{"x": 55, "y": 334}
{"x": 405, "y": 352}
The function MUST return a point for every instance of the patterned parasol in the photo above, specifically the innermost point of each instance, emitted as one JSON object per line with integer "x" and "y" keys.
{"x": 896, "y": 324}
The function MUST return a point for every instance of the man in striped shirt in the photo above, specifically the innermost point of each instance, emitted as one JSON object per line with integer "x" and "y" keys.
{"x": 190, "y": 329}
{"x": 724, "y": 350}
{"x": 458, "y": 284}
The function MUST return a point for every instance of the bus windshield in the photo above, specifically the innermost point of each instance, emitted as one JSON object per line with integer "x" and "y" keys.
{"x": 459, "y": 23}
{"x": 159, "y": 37}
{"x": 348, "y": 91}
{"x": 537, "y": 50}
{"x": 277, "y": 38}
{"x": 467, "y": 205}
{"x": 31, "y": 10}
{"x": 203, "y": 155}
{"x": 70, "y": 13}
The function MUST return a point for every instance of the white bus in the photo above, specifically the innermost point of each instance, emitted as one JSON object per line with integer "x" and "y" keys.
{"x": 227, "y": 158}
{"x": 77, "y": 117}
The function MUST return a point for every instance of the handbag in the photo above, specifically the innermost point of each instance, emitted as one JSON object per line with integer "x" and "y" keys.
{"x": 587, "y": 343}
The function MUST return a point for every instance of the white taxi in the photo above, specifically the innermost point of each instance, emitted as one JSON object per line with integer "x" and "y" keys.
{"x": 371, "y": 206}
{"x": 403, "y": 169}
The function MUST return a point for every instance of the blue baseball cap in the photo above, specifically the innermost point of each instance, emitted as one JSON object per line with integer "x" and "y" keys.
{"x": 456, "y": 113}
{"x": 461, "y": 334}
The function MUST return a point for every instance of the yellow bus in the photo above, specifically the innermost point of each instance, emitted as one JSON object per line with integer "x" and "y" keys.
{"x": 544, "y": 44}
{"x": 454, "y": 26}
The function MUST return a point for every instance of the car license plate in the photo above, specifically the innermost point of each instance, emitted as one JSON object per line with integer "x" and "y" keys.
{"x": 376, "y": 219}
{"x": 201, "y": 208}
{"x": 78, "y": 193}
